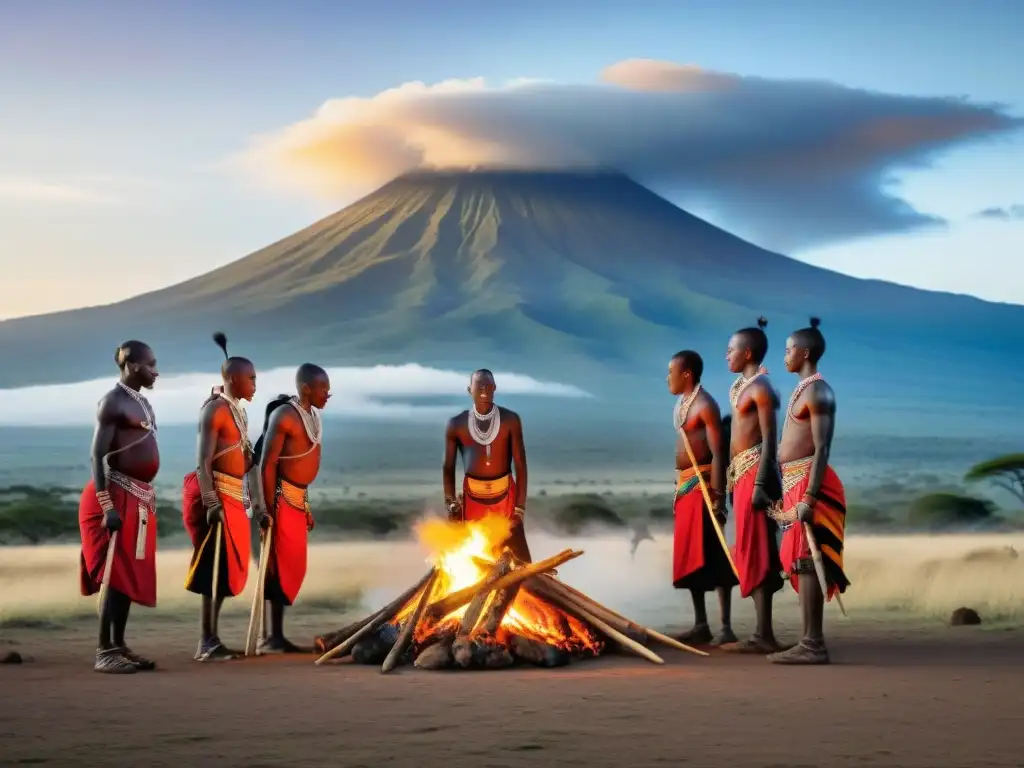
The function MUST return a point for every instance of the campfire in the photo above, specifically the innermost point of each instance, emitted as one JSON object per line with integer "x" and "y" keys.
{"x": 479, "y": 608}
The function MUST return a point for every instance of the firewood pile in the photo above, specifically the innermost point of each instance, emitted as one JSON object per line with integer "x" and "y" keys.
{"x": 511, "y": 613}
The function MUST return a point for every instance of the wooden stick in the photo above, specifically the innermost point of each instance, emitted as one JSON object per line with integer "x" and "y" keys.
{"x": 819, "y": 567}
{"x": 456, "y": 600}
{"x": 107, "y": 568}
{"x": 258, "y": 603}
{"x": 379, "y": 619}
{"x": 218, "y": 530}
{"x": 711, "y": 507}
{"x": 476, "y": 605}
{"x": 544, "y": 585}
{"x": 409, "y": 630}
{"x": 582, "y": 613}
{"x": 626, "y": 625}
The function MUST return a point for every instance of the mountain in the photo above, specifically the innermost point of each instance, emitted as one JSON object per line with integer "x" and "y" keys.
{"x": 585, "y": 277}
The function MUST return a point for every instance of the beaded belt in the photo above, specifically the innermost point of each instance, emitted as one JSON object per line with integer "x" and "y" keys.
{"x": 793, "y": 472}
{"x": 742, "y": 463}
{"x": 487, "y": 489}
{"x": 142, "y": 491}
{"x": 231, "y": 486}
{"x": 293, "y": 494}
{"x": 687, "y": 480}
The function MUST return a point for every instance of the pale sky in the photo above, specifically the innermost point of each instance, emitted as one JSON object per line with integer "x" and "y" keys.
{"x": 121, "y": 121}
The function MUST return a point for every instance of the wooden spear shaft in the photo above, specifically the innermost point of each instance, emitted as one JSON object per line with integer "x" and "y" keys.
{"x": 819, "y": 566}
{"x": 707, "y": 500}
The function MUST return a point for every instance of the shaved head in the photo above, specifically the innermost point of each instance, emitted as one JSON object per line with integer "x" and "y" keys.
{"x": 482, "y": 375}
{"x": 308, "y": 374}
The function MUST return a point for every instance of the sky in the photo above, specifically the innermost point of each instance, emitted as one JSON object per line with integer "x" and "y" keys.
{"x": 143, "y": 143}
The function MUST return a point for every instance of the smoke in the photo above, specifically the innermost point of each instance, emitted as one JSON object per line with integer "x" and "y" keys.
{"x": 380, "y": 392}
{"x": 797, "y": 162}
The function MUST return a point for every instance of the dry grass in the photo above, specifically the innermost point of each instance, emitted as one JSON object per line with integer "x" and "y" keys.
{"x": 918, "y": 575}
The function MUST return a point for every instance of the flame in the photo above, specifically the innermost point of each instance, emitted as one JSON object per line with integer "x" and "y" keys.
{"x": 463, "y": 554}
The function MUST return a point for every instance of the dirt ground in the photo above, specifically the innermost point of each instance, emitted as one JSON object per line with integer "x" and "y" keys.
{"x": 923, "y": 695}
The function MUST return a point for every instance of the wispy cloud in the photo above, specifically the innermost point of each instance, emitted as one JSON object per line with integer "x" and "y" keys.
{"x": 1007, "y": 213}
{"x": 380, "y": 392}
{"x": 33, "y": 191}
{"x": 800, "y": 162}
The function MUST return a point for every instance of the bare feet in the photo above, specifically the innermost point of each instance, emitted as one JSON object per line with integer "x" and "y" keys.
{"x": 805, "y": 652}
{"x": 725, "y": 637}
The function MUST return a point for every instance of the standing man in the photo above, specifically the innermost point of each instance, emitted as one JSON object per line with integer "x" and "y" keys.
{"x": 813, "y": 495}
{"x": 490, "y": 440}
{"x": 753, "y": 480}
{"x": 289, "y": 460}
{"x": 699, "y": 562}
{"x": 120, "y": 499}
{"x": 215, "y": 501}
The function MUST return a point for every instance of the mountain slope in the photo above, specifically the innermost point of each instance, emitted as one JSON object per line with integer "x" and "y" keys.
{"x": 559, "y": 274}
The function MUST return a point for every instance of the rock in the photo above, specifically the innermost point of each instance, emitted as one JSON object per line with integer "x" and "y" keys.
{"x": 372, "y": 650}
{"x": 964, "y": 617}
{"x": 437, "y": 656}
{"x": 11, "y": 657}
{"x": 537, "y": 653}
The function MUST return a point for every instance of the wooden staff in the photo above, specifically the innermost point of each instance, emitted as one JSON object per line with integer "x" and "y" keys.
{"x": 409, "y": 630}
{"x": 258, "y": 603}
{"x": 819, "y": 566}
{"x": 105, "y": 581}
{"x": 218, "y": 531}
{"x": 707, "y": 500}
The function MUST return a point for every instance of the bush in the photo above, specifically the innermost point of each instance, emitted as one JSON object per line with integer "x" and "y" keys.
{"x": 950, "y": 510}
{"x": 576, "y": 513}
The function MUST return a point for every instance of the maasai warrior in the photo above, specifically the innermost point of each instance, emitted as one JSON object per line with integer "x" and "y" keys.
{"x": 753, "y": 481}
{"x": 288, "y": 453}
{"x": 120, "y": 499}
{"x": 215, "y": 499}
{"x": 490, "y": 440}
{"x": 699, "y": 563}
{"x": 812, "y": 494}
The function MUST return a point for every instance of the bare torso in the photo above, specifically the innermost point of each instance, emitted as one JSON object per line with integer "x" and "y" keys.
{"x": 797, "y": 438}
{"x": 696, "y": 433}
{"x": 303, "y": 469}
{"x": 233, "y": 460}
{"x": 746, "y": 421}
{"x": 125, "y": 416}
{"x": 475, "y": 461}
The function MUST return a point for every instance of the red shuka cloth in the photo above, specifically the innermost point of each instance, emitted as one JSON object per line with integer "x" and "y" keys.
{"x": 286, "y": 568}
{"x": 756, "y": 552}
{"x": 829, "y": 528}
{"x": 698, "y": 561}
{"x": 134, "y": 568}
{"x": 235, "y": 545}
{"x": 478, "y": 509}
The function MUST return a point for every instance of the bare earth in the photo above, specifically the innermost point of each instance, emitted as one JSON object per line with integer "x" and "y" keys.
{"x": 923, "y": 695}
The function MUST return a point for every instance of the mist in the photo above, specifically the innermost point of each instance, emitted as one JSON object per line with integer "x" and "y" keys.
{"x": 383, "y": 392}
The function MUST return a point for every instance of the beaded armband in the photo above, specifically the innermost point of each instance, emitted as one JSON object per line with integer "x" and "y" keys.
{"x": 103, "y": 497}
{"x": 519, "y": 511}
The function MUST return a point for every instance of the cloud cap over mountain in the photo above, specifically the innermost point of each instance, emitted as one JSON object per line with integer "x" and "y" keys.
{"x": 800, "y": 162}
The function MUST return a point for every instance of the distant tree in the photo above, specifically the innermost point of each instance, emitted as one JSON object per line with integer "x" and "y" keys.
{"x": 946, "y": 510}
{"x": 1006, "y": 472}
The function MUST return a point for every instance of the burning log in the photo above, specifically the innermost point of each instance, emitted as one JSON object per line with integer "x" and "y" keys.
{"x": 324, "y": 643}
{"x": 476, "y": 605}
{"x": 629, "y": 628}
{"x": 495, "y": 615}
{"x": 537, "y": 653}
{"x": 583, "y": 614}
{"x": 405, "y": 639}
{"x": 551, "y": 590}
{"x": 456, "y": 600}
{"x": 481, "y": 652}
{"x": 375, "y": 622}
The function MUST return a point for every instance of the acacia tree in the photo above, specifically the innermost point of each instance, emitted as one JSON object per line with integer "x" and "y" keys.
{"x": 1006, "y": 472}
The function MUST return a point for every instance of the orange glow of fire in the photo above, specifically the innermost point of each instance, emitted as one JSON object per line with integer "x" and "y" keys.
{"x": 462, "y": 553}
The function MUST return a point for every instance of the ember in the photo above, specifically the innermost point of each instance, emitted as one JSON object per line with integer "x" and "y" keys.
{"x": 479, "y": 608}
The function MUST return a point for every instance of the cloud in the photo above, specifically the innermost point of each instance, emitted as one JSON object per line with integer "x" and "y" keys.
{"x": 31, "y": 191}
{"x": 797, "y": 162}
{"x": 1008, "y": 213}
{"x": 381, "y": 392}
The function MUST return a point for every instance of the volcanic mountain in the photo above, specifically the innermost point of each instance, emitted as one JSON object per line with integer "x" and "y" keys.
{"x": 574, "y": 276}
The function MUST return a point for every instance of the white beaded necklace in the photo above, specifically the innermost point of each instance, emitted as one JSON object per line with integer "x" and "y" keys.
{"x": 241, "y": 421}
{"x": 491, "y": 421}
{"x": 682, "y": 408}
{"x": 310, "y": 420}
{"x": 741, "y": 384}
{"x": 138, "y": 397}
